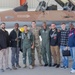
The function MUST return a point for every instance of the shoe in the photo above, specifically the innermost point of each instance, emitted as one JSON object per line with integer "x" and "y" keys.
{"x": 57, "y": 66}
{"x": 18, "y": 66}
{"x": 25, "y": 66}
{"x": 8, "y": 68}
{"x": 33, "y": 64}
{"x": 46, "y": 65}
{"x": 41, "y": 64}
{"x": 31, "y": 67}
{"x": 64, "y": 67}
{"x": 54, "y": 65}
{"x": 1, "y": 70}
{"x": 14, "y": 68}
{"x": 49, "y": 65}
{"x": 72, "y": 71}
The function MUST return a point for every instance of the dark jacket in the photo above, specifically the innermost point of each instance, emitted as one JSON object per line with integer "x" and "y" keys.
{"x": 13, "y": 36}
{"x": 71, "y": 38}
{"x": 4, "y": 39}
{"x": 54, "y": 37}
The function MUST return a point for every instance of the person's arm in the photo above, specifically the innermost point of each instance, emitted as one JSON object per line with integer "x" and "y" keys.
{"x": 39, "y": 32}
{"x": 11, "y": 36}
{"x": 49, "y": 35}
{"x": 8, "y": 40}
{"x": 32, "y": 40}
{"x": 0, "y": 47}
{"x": 74, "y": 34}
{"x": 59, "y": 37}
{"x": 21, "y": 40}
{"x": 19, "y": 37}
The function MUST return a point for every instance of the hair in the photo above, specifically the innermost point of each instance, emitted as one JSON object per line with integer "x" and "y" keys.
{"x": 44, "y": 22}
{"x": 16, "y": 24}
{"x": 72, "y": 24}
{"x": 2, "y": 23}
{"x": 34, "y": 21}
{"x": 62, "y": 23}
{"x": 25, "y": 25}
{"x": 53, "y": 23}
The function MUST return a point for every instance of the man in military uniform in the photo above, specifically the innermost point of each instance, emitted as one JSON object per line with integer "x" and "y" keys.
{"x": 44, "y": 32}
{"x": 27, "y": 44}
{"x": 35, "y": 31}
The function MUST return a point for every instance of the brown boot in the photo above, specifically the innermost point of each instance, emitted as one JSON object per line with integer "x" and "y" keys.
{"x": 33, "y": 64}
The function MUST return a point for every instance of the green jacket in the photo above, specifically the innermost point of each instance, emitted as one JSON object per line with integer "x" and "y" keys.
{"x": 44, "y": 35}
{"x": 27, "y": 39}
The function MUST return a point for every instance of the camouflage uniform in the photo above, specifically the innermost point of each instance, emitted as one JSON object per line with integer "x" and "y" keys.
{"x": 35, "y": 32}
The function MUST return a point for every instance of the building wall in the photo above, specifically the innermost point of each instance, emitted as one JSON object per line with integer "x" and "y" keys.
{"x": 9, "y": 3}
{"x": 32, "y": 3}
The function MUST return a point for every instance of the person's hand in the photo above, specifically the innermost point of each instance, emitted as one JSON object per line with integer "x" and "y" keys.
{"x": 16, "y": 39}
{"x": 32, "y": 46}
{"x": 58, "y": 30}
{"x": 67, "y": 48}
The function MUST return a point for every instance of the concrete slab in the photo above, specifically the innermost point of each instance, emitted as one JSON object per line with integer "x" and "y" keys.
{"x": 38, "y": 70}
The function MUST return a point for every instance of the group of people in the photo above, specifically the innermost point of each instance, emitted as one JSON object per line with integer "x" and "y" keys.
{"x": 54, "y": 41}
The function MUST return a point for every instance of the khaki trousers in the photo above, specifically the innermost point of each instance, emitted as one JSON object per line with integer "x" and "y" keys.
{"x": 4, "y": 58}
{"x": 56, "y": 54}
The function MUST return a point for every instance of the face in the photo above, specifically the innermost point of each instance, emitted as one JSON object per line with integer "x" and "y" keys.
{"x": 71, "y": 26}
{"x": 16, "y": 26}
{"x": 53, "y": 26}
{"x": 25, "y": 28}
{"x": 3, "y": 26}
{"x": 44, "y": 25}
{"x": 33, "y": 24}
{"x": 63, "y": 26}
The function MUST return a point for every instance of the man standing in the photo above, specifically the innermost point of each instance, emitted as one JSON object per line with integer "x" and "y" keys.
{"x": 4, "y": 51}
{"x": 28, "y": 45}
{"x": 15, "y": 41}
{"x": 71, "y": 44}
{"x": 35, "y": 31}
{"x": 44, "y": 32}
{"x": 54, "y": 43}
{"x": 63, "y": 44}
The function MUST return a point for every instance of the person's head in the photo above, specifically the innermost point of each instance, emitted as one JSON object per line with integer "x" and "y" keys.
{"x": 16, "y": 26}
{"x": 25, "y": 28}
{"x": 53, "y": 26}
{"x": 63, "y": 26}
{"x": 44, "y": 25}
{"x": 3, "y": 26}
{"x": 71, "y": 26}
{"x": 33, "y": 24}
